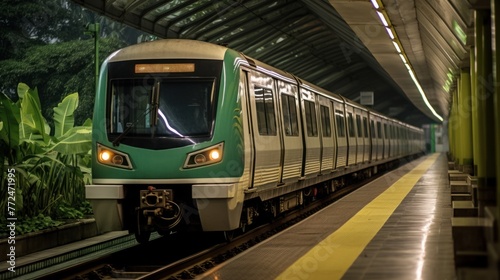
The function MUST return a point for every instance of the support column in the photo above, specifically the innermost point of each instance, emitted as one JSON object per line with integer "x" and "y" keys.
{"x": 486, "y": 168}
{"x": 458, "y": 124}
{"x": 455, "y": 127}
{"x": 495, "y": 26}
{"x": 465, "y": 120}
{"x": 475, "y": 133}
{"x": 433, "y": 138}
{"x": 451, "y": 136}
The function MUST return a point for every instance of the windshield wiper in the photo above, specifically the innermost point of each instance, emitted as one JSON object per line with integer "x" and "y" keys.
{"x": 153, "y": 107}
{"x": 117, "y": 140}
{"x": 155, "y": 102}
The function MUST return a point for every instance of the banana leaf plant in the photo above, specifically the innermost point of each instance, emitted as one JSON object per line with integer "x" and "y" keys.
{"x": 50, "y": 169}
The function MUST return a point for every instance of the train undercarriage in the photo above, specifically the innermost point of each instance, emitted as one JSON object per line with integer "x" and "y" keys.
{"x": 170, "y": 209}
{"x": 159, "y": 211}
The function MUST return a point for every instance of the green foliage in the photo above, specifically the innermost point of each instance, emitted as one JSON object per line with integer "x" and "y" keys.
{"x": 10, "y": 117}
{"x": 43, "y": 43}
{"x": 49, "y": 170}
{"x": 33, "y": 125}
{"x": 57, "y": 68}
{"x": 69, "y": 212}
{"x": 63, "y": 115}
{"x": 32, "y": 224}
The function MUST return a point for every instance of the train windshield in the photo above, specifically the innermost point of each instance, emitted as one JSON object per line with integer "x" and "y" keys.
{"x": 175, "y": 108}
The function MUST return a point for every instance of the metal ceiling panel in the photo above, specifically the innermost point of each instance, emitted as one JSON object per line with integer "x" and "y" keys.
{"x": 374, "y": 36}
{"x": 338, "y": 45}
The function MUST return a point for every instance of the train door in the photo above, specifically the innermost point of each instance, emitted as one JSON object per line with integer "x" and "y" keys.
{"x": 379, "y": 141}
{"x": 247, "y": 126}
{"x": 395, "y": 133}
{"x": 366, "y": 136}
{"x": 360, "y": 137}
{"x": 312, "y": 143}
{"x": 400, "y": 139}
{"x": 385, "y": 132}
{"x": 266, "y": 139}
{"x": 390, "y": 136}
{"x": 327, "y": 135}
{"x": 351, "y": 135}
{"x": 340, "y": 125}
{"x": 373, "y": 138}
{"x": 292, "y": 132}
{"x": 405, "y": 141}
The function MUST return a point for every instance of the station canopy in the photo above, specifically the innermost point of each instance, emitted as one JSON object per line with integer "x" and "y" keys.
{"x": 342, "y": 46}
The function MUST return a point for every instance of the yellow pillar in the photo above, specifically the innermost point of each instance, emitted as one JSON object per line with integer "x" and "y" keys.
{"x": 486, "y": 167}
{"x": 455, "y": 125}
{"x": 495, "y": 16}
{"x": 465, "y": 120}
{"x": 473, "y": 93}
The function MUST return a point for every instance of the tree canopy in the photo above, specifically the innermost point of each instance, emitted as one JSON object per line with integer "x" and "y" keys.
{"x": 43, "y": 44}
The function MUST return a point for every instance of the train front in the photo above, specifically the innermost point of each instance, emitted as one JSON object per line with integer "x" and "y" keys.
{"x": 167, "y": 143}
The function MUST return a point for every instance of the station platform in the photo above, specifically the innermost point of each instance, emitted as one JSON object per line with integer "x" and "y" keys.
{"x": 396, "y": 227}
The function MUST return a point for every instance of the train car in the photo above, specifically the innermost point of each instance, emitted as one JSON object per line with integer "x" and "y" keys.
{"x": 195, "y": 136}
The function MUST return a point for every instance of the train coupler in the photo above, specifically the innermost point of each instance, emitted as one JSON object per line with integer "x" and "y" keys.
{"x": 158, "y": 207}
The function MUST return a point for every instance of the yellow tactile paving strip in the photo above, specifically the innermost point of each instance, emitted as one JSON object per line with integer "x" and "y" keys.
{"x": 333, "y": 256}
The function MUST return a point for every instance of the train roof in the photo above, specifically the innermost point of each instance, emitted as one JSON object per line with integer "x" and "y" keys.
{"x": 170, "y": 49}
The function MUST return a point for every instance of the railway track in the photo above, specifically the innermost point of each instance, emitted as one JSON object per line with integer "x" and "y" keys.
{"x": 206, "y": 251}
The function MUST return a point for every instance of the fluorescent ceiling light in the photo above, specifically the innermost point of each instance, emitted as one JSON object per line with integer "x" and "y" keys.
{"x": 389, "y": 31}
{"x": 423, "y": 95}
{"x": 396, "y": 46}
{"x": 382, "y": 18}
{"x": 402, "y": 58}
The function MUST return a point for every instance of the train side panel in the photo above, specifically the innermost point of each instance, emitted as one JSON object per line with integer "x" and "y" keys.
{"x": 327, "y": 135}
{"x": 266, "y": 139}
{"x": 366, "y": 136}
{"x": 341, "y": 134}
{"x": 360, "y": 151}
{"x": 351, "y": 134}
{"x": 293, "y": 147}
{"x": 312, "y": 163}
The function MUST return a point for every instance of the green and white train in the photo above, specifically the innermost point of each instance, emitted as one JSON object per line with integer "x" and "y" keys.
{"x": 189, "y": 134}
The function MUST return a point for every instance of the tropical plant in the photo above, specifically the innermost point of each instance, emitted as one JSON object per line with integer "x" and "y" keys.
{"x": 50, "y": 169}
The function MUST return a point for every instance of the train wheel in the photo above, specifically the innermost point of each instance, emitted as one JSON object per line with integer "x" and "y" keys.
{"x": 143, "y": 236}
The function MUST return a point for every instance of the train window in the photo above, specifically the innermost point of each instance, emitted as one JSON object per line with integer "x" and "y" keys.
{"x": 379, "y": 130}
{"x": 350, "y": 125}
{"x": 365, "y": 126}
{"x": 360, "y": 128}
{"x": 325, "y": 121}
{"x": 289, "y": 115}
{"x": 386, "y": 131}
{"x": 264, "y": 103}
{"x": 312, "y": 126}
{"x": 184, "y": 107}
{"x": 339, "y": 117}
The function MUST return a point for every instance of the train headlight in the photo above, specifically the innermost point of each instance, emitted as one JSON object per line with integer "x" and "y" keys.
{"x": 200, "y": 159}
{"x": 206, "y": 156}
{"x": 112, "y": 157}
{"x": 117, "y": 159}
{"x": 104, "y": 155}
{"x": 214, "y": 154}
